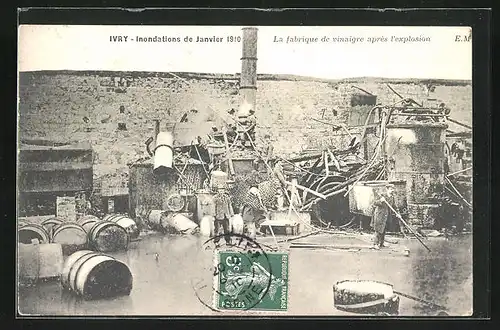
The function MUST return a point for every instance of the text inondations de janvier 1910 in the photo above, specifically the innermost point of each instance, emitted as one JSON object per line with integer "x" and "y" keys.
{"x": 419, "y": 38}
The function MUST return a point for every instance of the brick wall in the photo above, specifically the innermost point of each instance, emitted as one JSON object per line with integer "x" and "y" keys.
{"x": 53, "y": 106}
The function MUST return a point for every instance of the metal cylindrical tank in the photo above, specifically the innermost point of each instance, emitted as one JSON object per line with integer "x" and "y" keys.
{"x": 163, "y": 153}
{"x": 416, "y": 154}
{"x": 248, "y": 82}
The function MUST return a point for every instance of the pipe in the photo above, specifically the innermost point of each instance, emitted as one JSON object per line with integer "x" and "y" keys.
{"x": 459, "y": 123}
{"x": 163, "y": 153}
{"x": 248, "y": 79}
{"x": 157, "y": 130}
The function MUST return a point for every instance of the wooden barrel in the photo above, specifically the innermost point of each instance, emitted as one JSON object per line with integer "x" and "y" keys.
{"x": 125, "y": 222}
{"x": 107, "y": 236}
{"x": 88, "y": 221}
{"x": 180, "y": 223}
{"x": 236, "y": 224}
{"x": 156, "y": 218}
{"x": 207, "y": 226}
{"x": 94, "y": 275}
{"x": 365, "y": 297}
{"x": 71, "y": 236}
{"x": 39, "y": 261}
{"x": 87, "y": 218}
{"x": 51, "y": 224}
{"x": 32, "y": 231}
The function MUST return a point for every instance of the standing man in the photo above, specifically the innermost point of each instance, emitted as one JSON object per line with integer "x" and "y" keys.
{"x": 251, "y": 123}
{"x": 381, "y": 213}
{"x": 223, "y": 212}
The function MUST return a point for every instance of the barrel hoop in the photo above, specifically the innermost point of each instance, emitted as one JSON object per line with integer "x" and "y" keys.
{"x": 86, "y": 218}
{"x": 52, "y": 221}
{"x": 80, "y": 266}
{"x": 163, "y": 145}
{"x": 71, "y": 268}
{"x": 99, "y": 226}
{"x": 86, "y": 222}
{"x": 113, "y": 217}
{"x": 68, "y": 225}
{"x": 118, "y": 218}
{"x": 364, "y": 305}
{"x": 107, "y": 217}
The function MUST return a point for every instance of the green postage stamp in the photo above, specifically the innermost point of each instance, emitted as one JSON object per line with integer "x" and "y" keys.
{"x": 251, "y": 280}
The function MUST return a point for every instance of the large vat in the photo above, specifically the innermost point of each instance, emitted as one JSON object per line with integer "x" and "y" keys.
{"x": 149, "y": 192}
{"x": 363, "y": 193}
{"x": 416, "y": 154}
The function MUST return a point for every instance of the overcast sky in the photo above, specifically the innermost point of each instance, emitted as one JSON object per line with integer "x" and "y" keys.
{"x": 63, "y": 47}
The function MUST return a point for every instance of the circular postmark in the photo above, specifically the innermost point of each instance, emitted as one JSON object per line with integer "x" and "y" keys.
{"x": 241, "y": 273}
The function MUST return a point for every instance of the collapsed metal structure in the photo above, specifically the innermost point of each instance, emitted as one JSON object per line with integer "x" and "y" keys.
{"x": 404, "y": 143}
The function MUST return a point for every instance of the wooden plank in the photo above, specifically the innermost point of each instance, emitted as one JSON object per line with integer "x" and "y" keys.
{"x": 54, "y": 166}
{"x": 52, "y": 181}
{"x": 114, "y": 191}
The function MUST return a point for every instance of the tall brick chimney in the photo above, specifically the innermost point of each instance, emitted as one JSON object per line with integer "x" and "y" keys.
{"x": 248, "y": 79}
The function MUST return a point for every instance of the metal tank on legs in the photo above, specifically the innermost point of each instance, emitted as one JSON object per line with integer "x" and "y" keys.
{"x": 416, "y": 154}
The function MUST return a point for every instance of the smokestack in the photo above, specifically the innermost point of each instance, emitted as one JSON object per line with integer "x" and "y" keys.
{"x": 248, "y": 82}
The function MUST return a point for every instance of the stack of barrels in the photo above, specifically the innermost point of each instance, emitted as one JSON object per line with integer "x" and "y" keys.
{"x": 87, "y": 270}
{"x": 112, "y": 233}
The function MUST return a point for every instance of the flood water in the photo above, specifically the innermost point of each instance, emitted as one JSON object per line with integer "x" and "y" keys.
{"x": 173, "y": 276}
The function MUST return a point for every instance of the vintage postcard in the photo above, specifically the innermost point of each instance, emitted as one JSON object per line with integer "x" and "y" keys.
{"x": 244, "y": 171}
